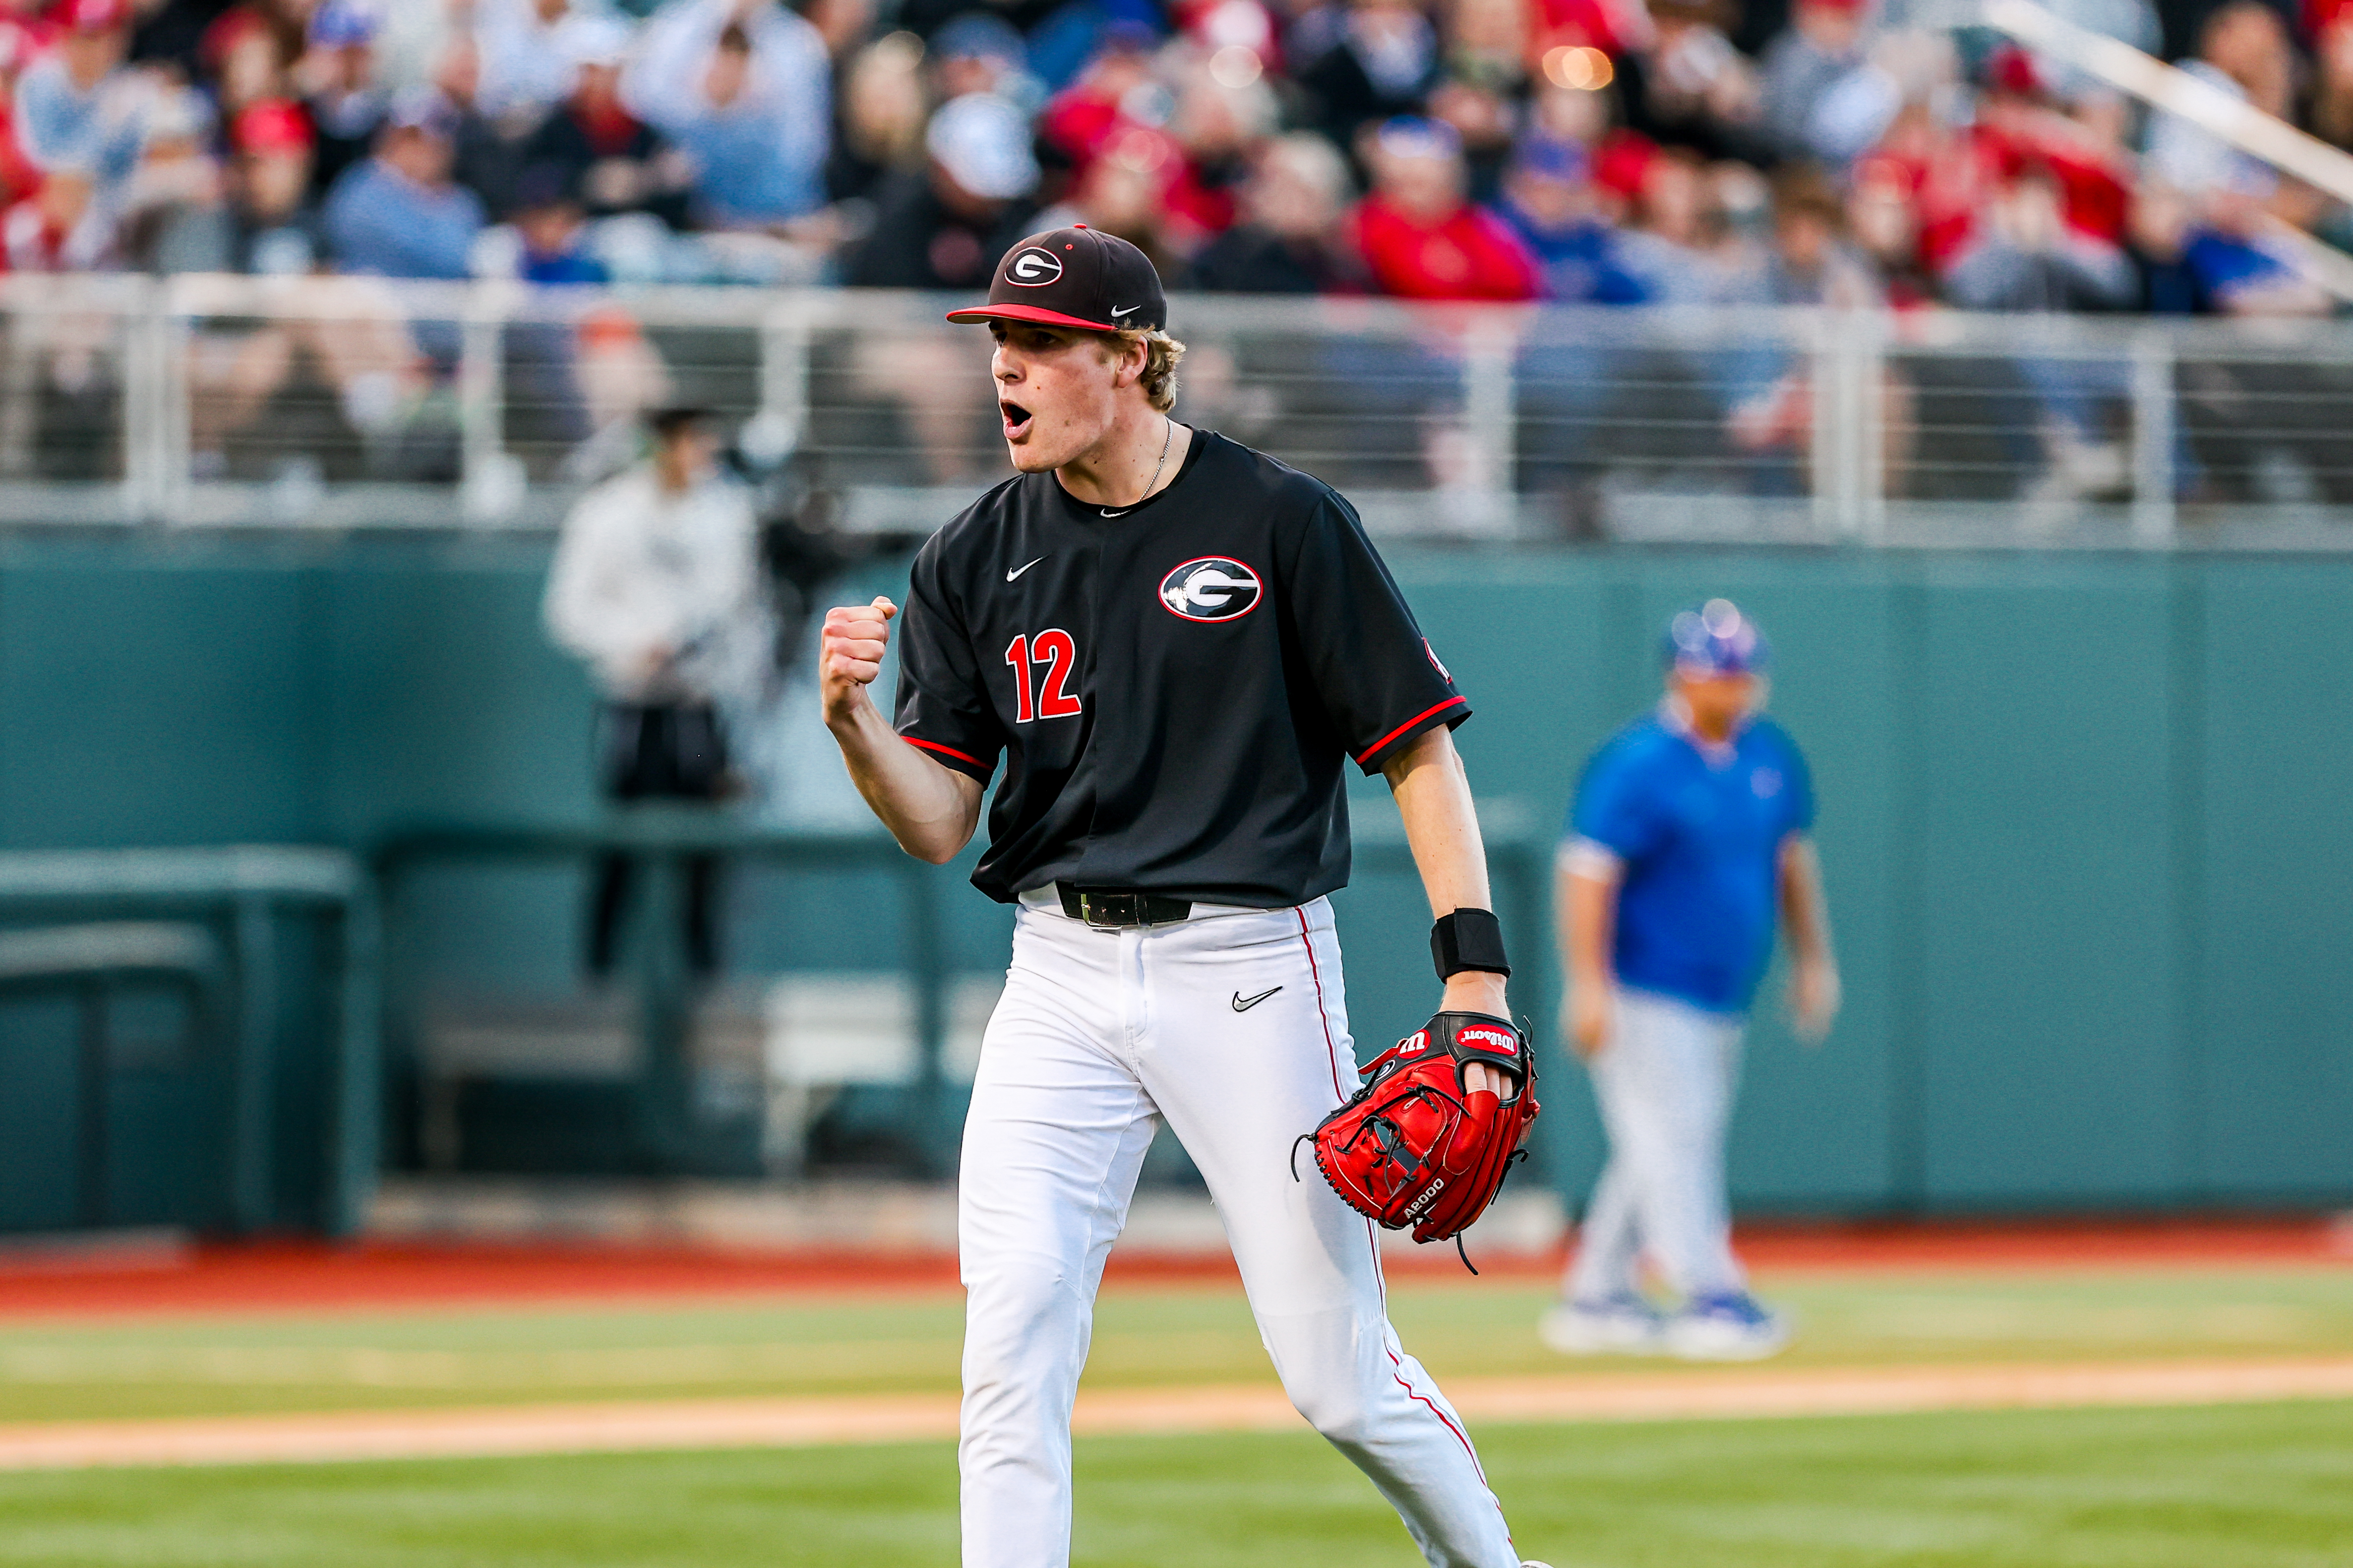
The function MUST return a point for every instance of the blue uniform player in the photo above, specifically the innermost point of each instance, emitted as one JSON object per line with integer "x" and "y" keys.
{"x": 1689, "y": 836}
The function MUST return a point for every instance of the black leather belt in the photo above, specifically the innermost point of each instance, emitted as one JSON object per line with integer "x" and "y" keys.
{"x": 1113, "y": 908}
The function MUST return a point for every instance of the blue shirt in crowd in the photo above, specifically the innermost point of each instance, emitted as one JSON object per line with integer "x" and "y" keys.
{"x": 59, "y": 126}
{"x": 563, "y": 267}
{"x": 2222, "y": 264}
{"x": 760, "y": 159}
{"x": 753, "y": 166}
{"x": 1581, "y": 260}
{"x": 1698, "y": 831}
{"x": 381, "y": 221}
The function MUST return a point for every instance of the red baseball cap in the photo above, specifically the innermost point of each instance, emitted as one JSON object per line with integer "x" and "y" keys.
{"x": 1623, "y": 162}
{"x": 1075, "y": 277}
{"x": 2013, "y": 70}
{"x": 95, "y": 15}
{"x": 272, "y": 125}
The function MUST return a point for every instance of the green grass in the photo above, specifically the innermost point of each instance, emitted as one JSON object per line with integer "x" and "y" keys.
{"x": 2244, "y": 1486}
{"x": 197, "y": 1365}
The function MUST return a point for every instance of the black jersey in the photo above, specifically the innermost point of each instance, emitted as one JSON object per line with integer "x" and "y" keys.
{"x": 1176, "y": 684}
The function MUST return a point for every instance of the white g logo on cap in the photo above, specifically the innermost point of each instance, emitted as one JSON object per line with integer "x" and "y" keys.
{"x": 1033, "y": 268}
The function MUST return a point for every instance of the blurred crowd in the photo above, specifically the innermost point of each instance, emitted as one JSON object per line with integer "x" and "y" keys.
{"x": 1604, "y": 153}
{"x": 1579, "y": 151}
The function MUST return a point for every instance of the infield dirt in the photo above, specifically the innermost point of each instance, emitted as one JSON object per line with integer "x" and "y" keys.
{"x": 643, "y": 1425}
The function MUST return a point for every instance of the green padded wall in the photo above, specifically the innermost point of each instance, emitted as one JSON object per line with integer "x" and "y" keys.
{"x": 2269, "y": 1101}
{"x": 2082, "y": 819}
{"x": 157, "y": 696}
{"x": 2045, "y": 888}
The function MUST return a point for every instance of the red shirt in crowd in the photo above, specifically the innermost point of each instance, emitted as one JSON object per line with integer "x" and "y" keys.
{"x": 19, "y": 177}
{"x": 1087, "y": 125}
{"x": 1466, "y": 255}
{"x": 2096, "y": 197}
{"x": 1613, "y": 26}
{"x": 1953, "y": 176}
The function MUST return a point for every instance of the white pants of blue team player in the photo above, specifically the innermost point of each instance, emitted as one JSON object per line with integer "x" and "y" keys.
{"x": 1100, "y": 1037}
{"x": 1665, "y": 1081}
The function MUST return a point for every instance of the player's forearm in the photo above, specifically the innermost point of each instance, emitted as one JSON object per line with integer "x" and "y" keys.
{"x": 1805, "y": 913}
{"x": 929, "y": 809}
{"x": 1588, "y": 914}
{"x": 1433, "y": 798}
{"x": 1441, "y": 825}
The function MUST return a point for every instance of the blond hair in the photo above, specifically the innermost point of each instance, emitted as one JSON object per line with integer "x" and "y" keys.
{"x": 1159, "y": 378}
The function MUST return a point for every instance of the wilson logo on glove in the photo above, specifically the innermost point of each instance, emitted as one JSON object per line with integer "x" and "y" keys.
{"x": 1414, "y": 1146}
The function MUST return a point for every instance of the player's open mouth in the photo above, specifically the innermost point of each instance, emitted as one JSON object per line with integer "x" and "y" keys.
{"x": 1016, "y": 420}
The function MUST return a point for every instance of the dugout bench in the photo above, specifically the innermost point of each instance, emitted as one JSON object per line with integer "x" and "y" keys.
{"x": 669, "y": 1130}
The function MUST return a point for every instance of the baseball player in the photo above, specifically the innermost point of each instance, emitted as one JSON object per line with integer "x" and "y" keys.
{"x": 1173, "y": 644}
{"x": 1688, "y": 830}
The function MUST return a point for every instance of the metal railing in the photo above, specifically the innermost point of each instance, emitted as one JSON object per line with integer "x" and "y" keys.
{"x": 213, "y": 402}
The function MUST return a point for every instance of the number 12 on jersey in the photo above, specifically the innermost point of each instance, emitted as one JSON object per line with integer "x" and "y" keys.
{"x": 1059, "y": 656}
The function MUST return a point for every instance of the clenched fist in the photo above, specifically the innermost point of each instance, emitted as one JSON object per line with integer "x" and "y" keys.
{"x": 850, "y": 655}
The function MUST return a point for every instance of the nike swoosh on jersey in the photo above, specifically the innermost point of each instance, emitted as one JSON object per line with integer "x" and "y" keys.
{"x": 1244, "y": 1004}
{"x": 1121, "y": 512}
{"x": 1019, "y": 570}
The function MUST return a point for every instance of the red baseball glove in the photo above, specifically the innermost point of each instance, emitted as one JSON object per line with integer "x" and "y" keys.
{"x": 1413, "y": 1147}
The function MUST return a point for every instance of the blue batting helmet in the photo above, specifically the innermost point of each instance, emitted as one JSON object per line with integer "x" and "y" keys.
{"x": 1716, "y": 638}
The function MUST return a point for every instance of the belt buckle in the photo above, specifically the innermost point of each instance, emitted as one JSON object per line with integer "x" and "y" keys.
{"x": 1111, "y": 911}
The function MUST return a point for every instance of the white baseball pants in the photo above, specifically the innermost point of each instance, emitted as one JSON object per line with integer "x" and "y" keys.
{"x": 1665, "y": 1083}
{"x": 1100, "y": 1036}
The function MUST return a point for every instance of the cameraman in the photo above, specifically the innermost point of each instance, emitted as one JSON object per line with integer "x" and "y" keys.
{"x": 655, "y": 584}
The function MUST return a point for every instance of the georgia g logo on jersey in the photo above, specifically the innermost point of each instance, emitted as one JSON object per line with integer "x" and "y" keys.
{"x": 1213, "y": 588}
{"x": 1031, "y": 267}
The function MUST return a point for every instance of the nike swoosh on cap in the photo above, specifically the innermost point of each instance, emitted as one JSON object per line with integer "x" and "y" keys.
{"x": 1117, "y": 313}
{"x": 1019, "y": 570}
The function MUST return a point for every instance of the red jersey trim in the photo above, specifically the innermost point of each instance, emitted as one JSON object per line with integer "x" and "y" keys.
{"x": 1374, "y": 749}
{"x": 951, "y": 751}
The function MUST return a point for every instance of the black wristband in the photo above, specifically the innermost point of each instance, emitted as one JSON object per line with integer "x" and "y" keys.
{"x": 1468, "y": 939}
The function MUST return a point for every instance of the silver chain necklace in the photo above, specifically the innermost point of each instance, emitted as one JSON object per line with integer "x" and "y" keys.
{"x": 1167, "y": 434}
